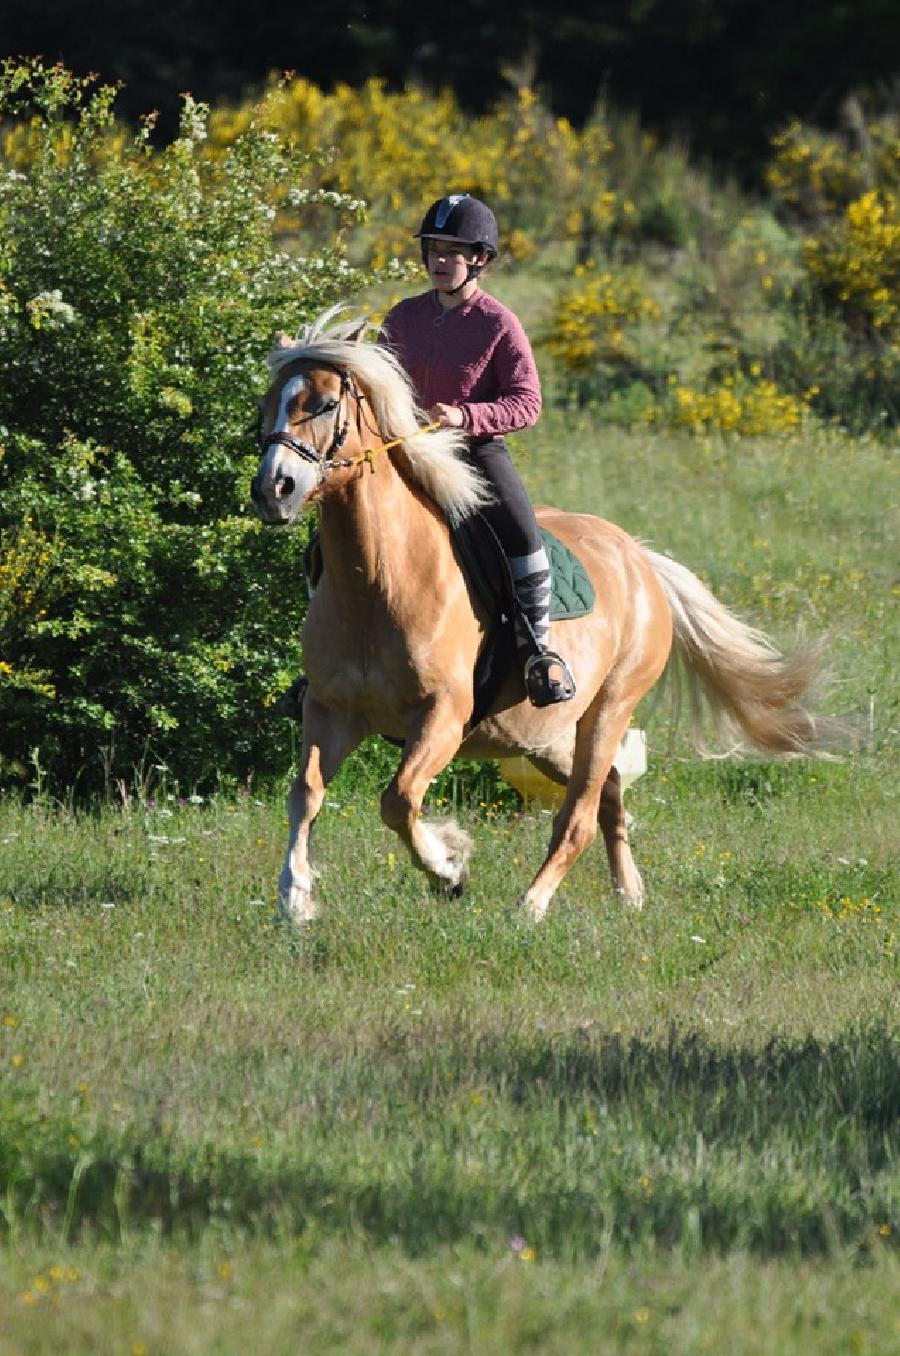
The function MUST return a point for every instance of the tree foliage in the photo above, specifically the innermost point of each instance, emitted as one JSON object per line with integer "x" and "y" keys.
{"x": 139, "y": 293}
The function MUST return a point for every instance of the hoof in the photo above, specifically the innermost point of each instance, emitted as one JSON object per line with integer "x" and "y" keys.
{"x": 298, "y": 917}
{"x": 296, "y": 905}
{"x": 462, "y": 884}
{"x": 632, "y": 895}
{"x": 532, "y": 909}
{"x": 447, "y": 861}
{"x": 633, "y": 902}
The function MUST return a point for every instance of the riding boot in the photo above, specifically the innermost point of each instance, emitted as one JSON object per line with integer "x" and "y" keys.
{"x": 290, "y": 703}
{"x": 548, "y": 678}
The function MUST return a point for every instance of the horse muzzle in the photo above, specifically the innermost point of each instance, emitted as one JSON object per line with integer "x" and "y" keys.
{"x": 281, "y": 486}
{"x": 276, "y": 501}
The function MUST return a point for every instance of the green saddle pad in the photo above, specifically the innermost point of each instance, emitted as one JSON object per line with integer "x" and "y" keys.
{"x": 572, "y": 593}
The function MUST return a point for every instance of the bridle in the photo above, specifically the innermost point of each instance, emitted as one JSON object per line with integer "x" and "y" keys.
{"x": 328, "y": 460}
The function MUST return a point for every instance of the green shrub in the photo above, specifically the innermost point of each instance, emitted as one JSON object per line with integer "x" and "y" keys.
{"x": 139, "y": 292}
{"x": 844, "y": 336}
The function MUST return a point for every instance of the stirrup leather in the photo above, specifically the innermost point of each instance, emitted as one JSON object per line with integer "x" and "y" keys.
{"x": 542, "y": 685}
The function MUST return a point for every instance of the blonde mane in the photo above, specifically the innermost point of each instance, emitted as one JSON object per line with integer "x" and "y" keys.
{"x": 433, "y": 458}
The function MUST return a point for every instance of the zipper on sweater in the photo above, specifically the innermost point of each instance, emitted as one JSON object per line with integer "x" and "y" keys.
{"x": 438, "y": 323}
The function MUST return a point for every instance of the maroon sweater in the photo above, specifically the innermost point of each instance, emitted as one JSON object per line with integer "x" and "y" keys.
{"x": 476, "y": 356}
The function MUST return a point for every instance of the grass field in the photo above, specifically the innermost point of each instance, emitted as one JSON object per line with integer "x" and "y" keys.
{"x": 427, "y": 1127}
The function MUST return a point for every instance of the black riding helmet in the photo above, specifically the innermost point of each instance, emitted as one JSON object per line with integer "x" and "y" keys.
{"x": 461, "y": 217}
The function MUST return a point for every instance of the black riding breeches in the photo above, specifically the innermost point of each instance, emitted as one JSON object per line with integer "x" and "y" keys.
{"x": 510, "y": 515}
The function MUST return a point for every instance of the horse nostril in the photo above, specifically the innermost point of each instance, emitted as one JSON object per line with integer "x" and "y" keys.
{"x": 254, "y": 490}
{"x": 287, "y": 486}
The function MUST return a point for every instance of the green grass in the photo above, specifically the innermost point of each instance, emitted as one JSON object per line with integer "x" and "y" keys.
{"x": 427, "y": 1127}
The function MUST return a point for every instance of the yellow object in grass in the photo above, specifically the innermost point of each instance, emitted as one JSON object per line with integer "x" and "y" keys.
{"x": 531, "y": 784}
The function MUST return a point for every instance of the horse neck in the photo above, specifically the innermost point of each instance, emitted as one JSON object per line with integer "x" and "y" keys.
{"x": 380, "y": 531}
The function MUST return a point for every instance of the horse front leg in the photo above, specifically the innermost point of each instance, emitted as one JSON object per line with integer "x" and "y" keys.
{"x": 441, "y": 848}
{"x": 327, "y": 740}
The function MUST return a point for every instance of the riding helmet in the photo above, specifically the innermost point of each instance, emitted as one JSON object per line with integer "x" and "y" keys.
{"x": 460, "y": 217}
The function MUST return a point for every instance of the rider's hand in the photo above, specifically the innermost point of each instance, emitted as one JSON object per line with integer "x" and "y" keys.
{"x": 448, "y": 416}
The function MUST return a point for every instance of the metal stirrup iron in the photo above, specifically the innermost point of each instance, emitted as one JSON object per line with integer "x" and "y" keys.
{"x": 544, "y": 688}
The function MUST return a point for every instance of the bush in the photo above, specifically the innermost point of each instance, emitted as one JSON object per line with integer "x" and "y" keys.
{"x": 139, "y": 292}
{"x": 546, "y": 180}
{"x": 843, "y": 190}
{"x": 857, "y": 263}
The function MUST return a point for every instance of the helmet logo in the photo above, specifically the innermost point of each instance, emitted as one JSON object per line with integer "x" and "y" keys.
{"x": 445, "y": 207}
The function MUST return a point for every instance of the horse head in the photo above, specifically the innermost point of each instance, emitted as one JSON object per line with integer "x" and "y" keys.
{"x": 312, "y": 409}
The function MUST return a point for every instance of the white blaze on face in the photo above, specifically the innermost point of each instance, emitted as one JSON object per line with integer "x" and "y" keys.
{"x": 279, "y": 462}
{"x": 292, "y": 389}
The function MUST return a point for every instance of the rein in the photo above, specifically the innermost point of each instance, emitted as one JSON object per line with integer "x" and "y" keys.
{"x": 369, "y": 454}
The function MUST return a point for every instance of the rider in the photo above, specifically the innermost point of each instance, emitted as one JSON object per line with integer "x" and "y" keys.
{"x": 472, "y": 368}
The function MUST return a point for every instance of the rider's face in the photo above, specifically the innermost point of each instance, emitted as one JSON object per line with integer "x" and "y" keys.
{"x": 448, "y": 262}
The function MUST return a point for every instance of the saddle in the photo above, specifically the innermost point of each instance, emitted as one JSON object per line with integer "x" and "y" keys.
{"x": 486, "y": 567}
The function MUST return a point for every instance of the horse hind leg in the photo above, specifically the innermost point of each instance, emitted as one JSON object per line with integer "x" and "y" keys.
{"x": 613, "y": 822}
{"x": 575, "y": 826}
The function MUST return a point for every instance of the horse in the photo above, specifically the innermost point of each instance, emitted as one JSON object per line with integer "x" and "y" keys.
{"x": 394, "y": 627}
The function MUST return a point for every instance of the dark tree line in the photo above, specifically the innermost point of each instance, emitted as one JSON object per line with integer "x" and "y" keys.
{"x": 724, "y": 74}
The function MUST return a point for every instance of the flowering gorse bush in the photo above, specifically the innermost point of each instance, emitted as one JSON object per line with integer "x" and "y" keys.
{"x": 816, "y": 175}
{"x": 843, "y": 190}
{"x": 590, "y": 320}
{"x": 753, "y": 407}
{"x": 806, "y": 295}
{"x": 856, "y": 262}
{"x": 546, "y": 180}
{"x": 139, "y": 293}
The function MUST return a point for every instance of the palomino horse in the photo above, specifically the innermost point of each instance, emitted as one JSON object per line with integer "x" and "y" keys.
{"x": 393, "y": 630}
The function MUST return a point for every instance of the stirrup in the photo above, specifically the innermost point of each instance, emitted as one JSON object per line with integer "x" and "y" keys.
{"x": 290, "y": 703}
{"x": 543, "y": 686}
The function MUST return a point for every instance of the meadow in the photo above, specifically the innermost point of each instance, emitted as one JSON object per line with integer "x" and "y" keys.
{"x": 426, "y": 1127}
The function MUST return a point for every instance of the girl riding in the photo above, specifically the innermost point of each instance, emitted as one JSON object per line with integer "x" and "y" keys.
{"x": 472, "y": 367}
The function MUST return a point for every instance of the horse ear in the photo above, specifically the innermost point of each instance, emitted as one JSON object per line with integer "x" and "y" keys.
{"x": 355, "y": 333}
{"x": 283, "y": 340}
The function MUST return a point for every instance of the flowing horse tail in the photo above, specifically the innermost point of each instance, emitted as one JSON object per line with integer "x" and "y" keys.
{"x": 750, "y": 687}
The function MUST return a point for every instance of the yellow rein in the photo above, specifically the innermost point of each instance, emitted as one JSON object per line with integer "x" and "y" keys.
{"x": 369, "y": 454}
